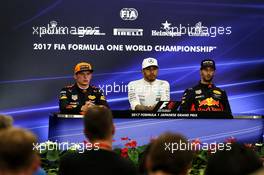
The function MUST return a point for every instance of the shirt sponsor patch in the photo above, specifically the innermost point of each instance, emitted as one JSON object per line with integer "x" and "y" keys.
{"x": 198, "y": 91}
{"x": 102, "y": 98}
{"x": 157, "y": 99}
{"x": 217, "y": 92}
{"x": 91, "y": 97}
{"x": 63, "y": 97}
{"x": 74, "y": 97}
{"x": 199, "y": 96}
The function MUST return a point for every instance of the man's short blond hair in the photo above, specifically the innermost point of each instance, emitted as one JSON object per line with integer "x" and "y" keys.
{"x": 5, "y": 121}
{"x": 16, "y": 149}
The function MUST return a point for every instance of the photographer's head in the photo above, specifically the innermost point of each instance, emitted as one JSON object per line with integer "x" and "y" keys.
{"x": 98, "y": 124}
{"x": 5, "y": 122}
{"x": 164, "y": 161}
{"x": 240, "y": 160}
{"x": 16, "y": 152}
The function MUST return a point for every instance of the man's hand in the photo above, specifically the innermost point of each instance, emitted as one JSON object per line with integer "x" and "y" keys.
{"x": 144, "y": 108}
{"x": 85, "y": 107}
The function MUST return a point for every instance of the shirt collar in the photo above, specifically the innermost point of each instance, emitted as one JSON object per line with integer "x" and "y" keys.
{"x": 81, "y": 90}
{"x": 149, "y": 83}
{"x": 208, "y": 86}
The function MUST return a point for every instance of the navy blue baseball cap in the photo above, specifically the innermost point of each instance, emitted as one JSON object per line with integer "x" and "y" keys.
{"x": 208, "y": 63}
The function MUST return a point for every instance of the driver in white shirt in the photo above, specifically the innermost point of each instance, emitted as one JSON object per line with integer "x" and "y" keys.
{"x": 145, "y": 93}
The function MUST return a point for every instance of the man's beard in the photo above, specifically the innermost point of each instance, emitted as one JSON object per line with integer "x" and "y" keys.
{"x": 208, "y": 80}
{"x": 151, "y": 79}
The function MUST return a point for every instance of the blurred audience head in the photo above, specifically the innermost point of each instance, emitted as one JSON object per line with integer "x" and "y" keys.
{"x": 259, "y": 172}
{"x": 167, "y": 161}
{"x": 144, "y": 160}
{"x": 16, "y": 152}
{"x": 98, "y": 123}
{"x": 240, "y": 160}
{"x": 5, "y": 121}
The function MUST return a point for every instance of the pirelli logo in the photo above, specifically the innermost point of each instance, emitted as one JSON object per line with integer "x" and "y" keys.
{"x": 127, "y": 32}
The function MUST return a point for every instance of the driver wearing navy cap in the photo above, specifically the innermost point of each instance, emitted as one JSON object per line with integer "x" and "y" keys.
{"x": 205, "y": 96}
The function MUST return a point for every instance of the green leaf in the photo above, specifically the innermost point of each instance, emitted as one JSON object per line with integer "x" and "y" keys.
{"x": 117, "y": 151}
{"x": 53, "y": 171}
{"x": 141, "y": 149}
{"x": 133, "y": 155}
{"x": 262, "y": 151}
{"x": 53, "y": 155}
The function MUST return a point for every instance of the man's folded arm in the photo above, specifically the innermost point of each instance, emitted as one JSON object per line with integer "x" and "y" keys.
{"x": 133, "y": 97}
{"x": 165, "y": 95}
{"x": 102, "y": 100}
{"x": 227, "y": 105}
{"x": 186, "y": 101}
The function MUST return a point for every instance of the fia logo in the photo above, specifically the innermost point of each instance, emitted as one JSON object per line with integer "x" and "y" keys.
{"x": 128, "y": 14}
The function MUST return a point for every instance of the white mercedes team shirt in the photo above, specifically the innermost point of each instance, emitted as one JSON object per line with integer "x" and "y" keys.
{"x": 141, "y": 92}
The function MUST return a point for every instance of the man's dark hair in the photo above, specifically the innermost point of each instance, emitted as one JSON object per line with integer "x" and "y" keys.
{"x": 5, "y": 121}
{"x": 98, "y": 122}
{"x": 237, "y": 161}
{"x": 16, "y": 149}
{"x": 165, "y": 160}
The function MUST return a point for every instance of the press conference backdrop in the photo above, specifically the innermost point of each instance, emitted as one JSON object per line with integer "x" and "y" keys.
{"x": 42, "y": 41}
